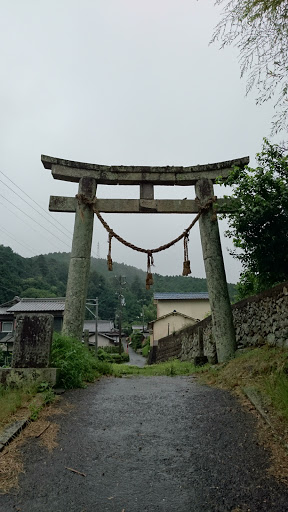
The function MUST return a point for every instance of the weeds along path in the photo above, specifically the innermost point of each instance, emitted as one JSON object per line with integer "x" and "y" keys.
{"x": 149, "y": 444}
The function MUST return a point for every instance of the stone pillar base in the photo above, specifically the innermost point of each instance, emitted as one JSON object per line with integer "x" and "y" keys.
{"x": 17, "y": 377}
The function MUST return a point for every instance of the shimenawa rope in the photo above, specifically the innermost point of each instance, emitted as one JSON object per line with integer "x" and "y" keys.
{"x": 150, "y": 261}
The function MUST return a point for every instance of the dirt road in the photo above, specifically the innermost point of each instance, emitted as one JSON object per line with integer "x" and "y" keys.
{"x": 149, "y": 444}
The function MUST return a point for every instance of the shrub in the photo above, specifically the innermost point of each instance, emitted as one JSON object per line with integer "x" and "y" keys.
{"x": 136, "y": 340}
{"x": 75, "y": 361}
{"x": 113, "y": 350}
{"x": 112, "y": 357}
{"x": 146, "y": 347}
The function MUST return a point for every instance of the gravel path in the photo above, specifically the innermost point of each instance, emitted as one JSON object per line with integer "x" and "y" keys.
{"x": 149, "y": 444}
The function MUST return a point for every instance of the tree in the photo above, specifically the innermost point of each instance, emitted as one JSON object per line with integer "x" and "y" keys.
{"x": 259, "y": 29}
{"x": 259, "y": 227}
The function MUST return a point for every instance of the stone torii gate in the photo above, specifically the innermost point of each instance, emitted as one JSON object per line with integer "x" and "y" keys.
{"x": 90, "y": 175}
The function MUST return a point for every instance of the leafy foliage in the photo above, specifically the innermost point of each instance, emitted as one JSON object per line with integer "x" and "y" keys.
{"x": 146, "y": 347}
{"x": 136, "y": 340}
{"x": 77, "y": 364}
{"x": 112, "y": 356}
{"x": 259, "y": 29}
{"x": 259, "y": 227}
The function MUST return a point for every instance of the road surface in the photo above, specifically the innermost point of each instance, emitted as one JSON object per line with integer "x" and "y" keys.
{"x": 149, "y": 444}
{"x": 136, "y": 359}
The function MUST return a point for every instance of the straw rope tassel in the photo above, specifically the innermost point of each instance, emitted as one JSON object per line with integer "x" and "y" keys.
{"x": 149, "y": 277}
{"x": 109, "y": 258}
{"x": 186, "y": 263}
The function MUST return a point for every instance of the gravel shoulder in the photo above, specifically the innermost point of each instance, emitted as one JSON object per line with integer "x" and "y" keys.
{"x": 149, "y": 444}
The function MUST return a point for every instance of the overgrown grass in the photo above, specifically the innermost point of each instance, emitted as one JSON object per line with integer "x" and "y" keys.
{"x": 265, "y": 369}
{"x": 75, "y": 361}
{"x": 11, "y": 399}
{"x": 24, "y": 401}
{"x": 146, "y": 348}
{"x": 169, "y": 368}
{"x": 78, "y": 365}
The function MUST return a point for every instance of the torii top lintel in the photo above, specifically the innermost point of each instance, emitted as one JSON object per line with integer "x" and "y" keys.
{"x": 69, "y": 170}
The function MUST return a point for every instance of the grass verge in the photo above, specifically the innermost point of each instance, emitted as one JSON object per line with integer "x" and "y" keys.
{"x": 264, "y": 369}
{"x": 169, "y": 368}
{"x": 13, "y": 400}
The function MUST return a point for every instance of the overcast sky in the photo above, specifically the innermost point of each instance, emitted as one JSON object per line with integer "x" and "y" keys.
{"x": 116, "y": 82}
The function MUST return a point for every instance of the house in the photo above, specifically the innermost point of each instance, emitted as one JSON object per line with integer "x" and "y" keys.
{"x": 52, "y": 306}
{"x": 7, "y": 326}
{"x": 192, "y": 304}
{"x": 176, "y": 311}
{"x": 7, "y": 319}
{"x": 169, "y": 324}
{"x": 107, "y": 334}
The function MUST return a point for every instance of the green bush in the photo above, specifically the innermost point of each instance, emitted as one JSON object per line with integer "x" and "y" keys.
{"x": 136, "y": 340}
{"x": 146, "y": 347}
{"x": 113, "y": 350}
{"x": 111, "y": 357}
{"x": 75, "y": 361}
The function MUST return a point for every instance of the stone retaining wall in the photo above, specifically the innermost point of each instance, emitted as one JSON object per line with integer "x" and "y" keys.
{"x": 258, "y": 320}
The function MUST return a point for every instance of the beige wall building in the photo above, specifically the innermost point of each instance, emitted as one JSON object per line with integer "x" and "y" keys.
{"x": 195, "y": 305}
{"x": 176, "y": 311}
{"x": 169, "y": 324}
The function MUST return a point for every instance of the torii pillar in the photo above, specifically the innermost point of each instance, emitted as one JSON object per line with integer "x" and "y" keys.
{"x": 79, "y": 266}
{"x": 222, "y": 319}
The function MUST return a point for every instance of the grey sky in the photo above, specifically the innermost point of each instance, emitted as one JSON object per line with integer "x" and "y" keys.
{"x": 117, "y": 82}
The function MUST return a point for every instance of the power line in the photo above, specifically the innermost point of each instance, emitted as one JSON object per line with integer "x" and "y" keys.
{"x": 37, "y": 231}
{"x": 43, "y": 227}
{"x": 39, "y": 213}
{"x": 39, "y": 206}
{"x": 14, "y": 239}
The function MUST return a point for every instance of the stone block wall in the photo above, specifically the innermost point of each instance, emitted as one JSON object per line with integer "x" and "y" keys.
{"x": 263, "y": 318}
{"x": 168, "y": 348}
{"x": 258, "y": 320}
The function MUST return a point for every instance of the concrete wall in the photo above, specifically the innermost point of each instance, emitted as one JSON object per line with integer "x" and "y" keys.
{"x": 258, "y": 320}
{"x": 194, "y": 308}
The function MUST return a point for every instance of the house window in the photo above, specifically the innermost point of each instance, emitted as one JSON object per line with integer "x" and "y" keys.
{"x": 7, "y": 326}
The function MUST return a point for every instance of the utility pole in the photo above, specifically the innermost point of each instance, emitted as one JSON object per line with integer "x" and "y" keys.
{"x": 96, "y": 326}
{"x": 95, "y": 303}
{"x": 143, "y": 323}
{"x": 121, "y": 283}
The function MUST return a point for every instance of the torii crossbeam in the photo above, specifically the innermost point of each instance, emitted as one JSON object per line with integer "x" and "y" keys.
{"x": 90, "y": 175}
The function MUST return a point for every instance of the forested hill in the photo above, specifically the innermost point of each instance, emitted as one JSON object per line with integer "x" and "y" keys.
{"x": 46, "y": 276}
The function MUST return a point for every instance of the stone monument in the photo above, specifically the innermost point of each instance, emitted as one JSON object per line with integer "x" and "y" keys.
{"x": 31, "y": 351}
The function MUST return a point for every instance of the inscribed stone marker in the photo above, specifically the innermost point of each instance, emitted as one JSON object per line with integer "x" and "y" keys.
{"x": 33, "y": 338}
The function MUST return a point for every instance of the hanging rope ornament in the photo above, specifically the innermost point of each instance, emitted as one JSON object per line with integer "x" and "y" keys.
{"x": 109, "y": 258}
{"x": 149, "y": 277}
{"x": 150, "y": 252}
{"x": 186, "y": 263}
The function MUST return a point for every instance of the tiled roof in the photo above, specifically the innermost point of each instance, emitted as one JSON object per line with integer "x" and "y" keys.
{"x": 103, "y": 325}
{"x": 8, "y": 338}
{"x": 181, "y": 296}
{"x": 6, "y": 305}
{"x": 3, "y": 311}
{"x": 174, "y": 313}
{"x": 38, "y": 305}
